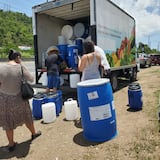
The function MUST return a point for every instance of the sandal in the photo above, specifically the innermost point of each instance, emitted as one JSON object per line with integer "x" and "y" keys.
{"x": 36, "y": 135}
{"x": 11, "y": 148}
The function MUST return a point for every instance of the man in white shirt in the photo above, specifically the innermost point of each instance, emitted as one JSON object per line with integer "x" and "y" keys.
{"x": 104, "y": 60}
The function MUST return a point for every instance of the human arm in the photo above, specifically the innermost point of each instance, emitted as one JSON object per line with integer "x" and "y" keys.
{"x": 27, "y": 74}
{"x": 82, "y": 63}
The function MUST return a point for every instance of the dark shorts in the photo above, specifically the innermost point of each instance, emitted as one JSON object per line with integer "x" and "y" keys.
{"x": 53, "y": 81}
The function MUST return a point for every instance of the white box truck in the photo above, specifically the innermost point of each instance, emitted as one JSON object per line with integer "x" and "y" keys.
{"x": 110, "y": 27}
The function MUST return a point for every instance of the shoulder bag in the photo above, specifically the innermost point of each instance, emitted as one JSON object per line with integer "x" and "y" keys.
{"x": 26, "y": 89}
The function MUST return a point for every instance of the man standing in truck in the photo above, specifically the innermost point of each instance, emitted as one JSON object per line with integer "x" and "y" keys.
{"x": 104, "y": 61}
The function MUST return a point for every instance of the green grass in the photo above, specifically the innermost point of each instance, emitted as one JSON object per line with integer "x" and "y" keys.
{"x": 148, "y": 141}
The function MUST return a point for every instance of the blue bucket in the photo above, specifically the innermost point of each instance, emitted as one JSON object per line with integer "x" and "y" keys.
{"x": 79, "y": 43}
{"x": 63, "y": 50}
{"x": 97, "y": 110}
{"x": 135, "y": 96}
{"x": 57, "y": 99}
{"x": 72, "y": 58}
{"x": 37, "y": 102}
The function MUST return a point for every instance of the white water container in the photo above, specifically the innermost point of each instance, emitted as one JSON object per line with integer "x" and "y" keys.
{"x": 31, "y": 100}
{"x": 30, "y": 103}
{"x": 44, "y": 79}
{"x": 71, "y": 109}
{"x": 49, "y": 112}
{"x": 61, "y": 40}
{"x": 74, "y": 79}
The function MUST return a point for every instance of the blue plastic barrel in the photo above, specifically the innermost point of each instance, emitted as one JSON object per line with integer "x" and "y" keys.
{"x": 79, "y": 43}
{"x": 135, "y": 96}
{"x": 37, "y": 102}
{"x": 72, "y": 58}
{"x": 97, "y": 110}
{"x": 63, "y": 50}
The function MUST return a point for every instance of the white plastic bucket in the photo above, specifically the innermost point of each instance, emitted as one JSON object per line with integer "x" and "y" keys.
{"x": 71, "y": 109}
{"x": 74, "y": 79}
{"x": 49, "y": 112}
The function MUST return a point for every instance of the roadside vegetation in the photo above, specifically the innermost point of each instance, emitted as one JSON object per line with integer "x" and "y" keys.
{"x": 15, "y": 31}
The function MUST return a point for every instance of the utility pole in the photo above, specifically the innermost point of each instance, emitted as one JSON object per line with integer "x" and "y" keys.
{"x": 158, "y": 45}
{"x": 149, "y": 42}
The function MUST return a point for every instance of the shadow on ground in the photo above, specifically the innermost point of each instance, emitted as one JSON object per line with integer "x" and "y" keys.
{"x": 21, "y": 151}
{"x": 80, "y": 140}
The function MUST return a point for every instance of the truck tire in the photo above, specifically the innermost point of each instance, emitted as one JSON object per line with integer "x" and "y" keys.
{"x": 114, "y": 82}
{"x": 133, "y": 76}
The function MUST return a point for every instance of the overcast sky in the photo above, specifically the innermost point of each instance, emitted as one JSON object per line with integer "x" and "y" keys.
{"x": 145, "y": 12}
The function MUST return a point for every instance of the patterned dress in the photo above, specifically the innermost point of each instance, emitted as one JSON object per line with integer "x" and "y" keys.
{"x": 14, "y": 111}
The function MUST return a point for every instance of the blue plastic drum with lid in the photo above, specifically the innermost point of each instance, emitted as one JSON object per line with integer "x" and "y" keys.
{"x": 97, "y": 109}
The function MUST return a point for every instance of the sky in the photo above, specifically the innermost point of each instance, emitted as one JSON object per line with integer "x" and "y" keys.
{"x": 145, "y": 12}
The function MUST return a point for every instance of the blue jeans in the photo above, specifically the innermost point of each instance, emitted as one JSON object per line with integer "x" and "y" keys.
{"x": 53, "y": 81}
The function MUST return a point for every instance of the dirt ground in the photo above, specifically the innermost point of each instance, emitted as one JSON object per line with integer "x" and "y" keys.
{"x": 137, "y": 139}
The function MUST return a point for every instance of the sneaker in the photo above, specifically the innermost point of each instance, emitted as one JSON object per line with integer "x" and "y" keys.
{"x": 36, "y": 135}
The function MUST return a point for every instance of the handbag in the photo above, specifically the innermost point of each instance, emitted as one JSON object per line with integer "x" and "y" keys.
{"x": 26, "y": 89}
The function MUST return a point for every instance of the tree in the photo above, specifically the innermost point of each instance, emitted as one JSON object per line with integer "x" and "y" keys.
{"x": 145, "y": 48}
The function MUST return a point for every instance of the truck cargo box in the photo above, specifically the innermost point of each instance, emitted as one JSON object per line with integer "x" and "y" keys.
{"x": 64, "y": 21}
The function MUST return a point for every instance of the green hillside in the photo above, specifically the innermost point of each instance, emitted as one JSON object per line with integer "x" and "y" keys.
{"x": 15, "y": 29}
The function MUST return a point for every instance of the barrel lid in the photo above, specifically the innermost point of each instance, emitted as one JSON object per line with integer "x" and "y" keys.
{"x": 39, "y": 95}
{"x": 67, "y": 31}
{"x": 52, "y": 95}
{"x": 134, "y": 86}
{"x": 79, "y": 29}
{"x": 93, "y": 82}
{"x": 72, "y": 45}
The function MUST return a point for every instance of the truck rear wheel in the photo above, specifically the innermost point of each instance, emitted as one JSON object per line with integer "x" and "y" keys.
{"x": 114, "y": 81}
{"x": 133, "y": 76}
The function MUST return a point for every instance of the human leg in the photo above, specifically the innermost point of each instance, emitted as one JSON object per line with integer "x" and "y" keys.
{"x": 56, "y": 82}
{"x": 49, "y": 83}
{"x": 10, "y": 134}
{"x": 31, "y": 128}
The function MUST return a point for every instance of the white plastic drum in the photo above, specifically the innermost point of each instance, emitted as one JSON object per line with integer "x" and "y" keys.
{"x": 43, "y": 79}
{"x": 74, "y": 79}
{"x": 67, "y": 31}
{"x": 81, "y": 30}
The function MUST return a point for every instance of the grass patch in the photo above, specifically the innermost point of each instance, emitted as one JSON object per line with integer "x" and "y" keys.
{"x": 147, "y": 144}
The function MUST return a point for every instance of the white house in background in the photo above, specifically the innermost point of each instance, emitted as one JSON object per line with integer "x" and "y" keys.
{"x": 24, "y": 47}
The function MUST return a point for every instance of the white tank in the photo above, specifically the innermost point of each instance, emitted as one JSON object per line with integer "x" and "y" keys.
{"x": 74, "y": 79}
{"x": 49, "y": 112}
{"x": 71, "y": 109}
